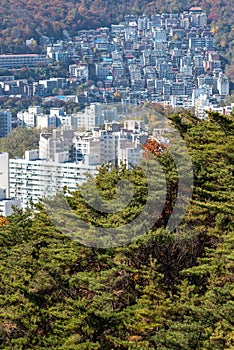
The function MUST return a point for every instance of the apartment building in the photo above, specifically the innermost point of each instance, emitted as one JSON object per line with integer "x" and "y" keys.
{"x": 223, "y": 84}
{"x": 5, "y": 123}
{"x": 32, "y": 178}
{"x": 86, "y": 147}
{"x": 79, "y": 71}
{"x": 66, "y": 158}
{"x": 21, "y": 60}
{"x": 29, "y": 118}
{"x": 98, "y": 146}
{"x": 56, "y": 145}
{"x": 4, "y": 172}
{"x": 6, "y": 204}
{"x": 91, "y": 117}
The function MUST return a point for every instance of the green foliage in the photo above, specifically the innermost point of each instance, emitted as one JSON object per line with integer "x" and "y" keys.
{"x": 19, "y": 141}
{"x": 162, "y": 291}
{"x": 56, "y": 70}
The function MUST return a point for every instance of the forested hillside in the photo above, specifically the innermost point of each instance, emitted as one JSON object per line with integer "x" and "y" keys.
{"x": 162, "y": 291}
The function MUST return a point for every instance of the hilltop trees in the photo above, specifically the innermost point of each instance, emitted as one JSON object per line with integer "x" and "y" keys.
{"x": 162, "y": 291}
{"x": 20, "y": 140}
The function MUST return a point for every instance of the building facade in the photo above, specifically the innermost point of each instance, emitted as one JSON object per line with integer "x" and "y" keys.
{"x": 7, "y": 205}
{"x": 5, "y": 123}
{"x": 21, "y": 60}
{"x": 32, "y": 178}
{"x": 4, "y": 172}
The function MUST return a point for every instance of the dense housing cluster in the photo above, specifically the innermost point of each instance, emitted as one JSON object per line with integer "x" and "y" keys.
{"x": 168, "y": 58}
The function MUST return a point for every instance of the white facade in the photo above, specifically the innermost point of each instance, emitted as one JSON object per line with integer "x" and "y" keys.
{"x": 27, "y": 119}
{"x": 223, "y": 85}
{"x": 56, "y": 146}
{"x": 35, "y": 110}
{"x": 7, "y": 205}
{"x": 46, "y": 121}
{"x": 34, "y": 179}
{"x": 56, "y": 112}
{"x": 201, "y": 105}
{"x": 65, "y": 158}
{"x": 129, "y": 153}
{"x": 108, "y": 146}
{"x": 100, "y": 146}
{"x": 205, "y": 89}
{"x": 91, "y": 117}
{"x": 86, "y": 147}
{"x": 134, "y": 125}
{"x": 4, "y": 172}
{"x": 80, "y": 71}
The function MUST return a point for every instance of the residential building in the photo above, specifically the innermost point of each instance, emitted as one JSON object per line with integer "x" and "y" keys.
{"x": 21, "y": 60}
{"x": 32, "y": 178}
{"x": 56, "y": 145}
{"x": 4, "y": 172}
{"x": 29, "y": 118}
{"x": 7, "y": 205}
{"x": 5, "y": 122}
{"x": 91, "y": 117}
{"x": 46, "y": 121}
{"x": 79, "y": 71}
{"x": 223, "y": 84}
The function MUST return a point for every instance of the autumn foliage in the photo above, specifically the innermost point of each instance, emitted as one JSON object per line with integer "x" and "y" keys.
{"x": 152, "y": 147}
{"x": 25, "y": 19}
{"x": 3, "y": 221}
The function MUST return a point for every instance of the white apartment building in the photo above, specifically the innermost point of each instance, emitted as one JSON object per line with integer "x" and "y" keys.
{"x": 32, "y": 178}
{"x": 56, "y": 112}
{"x": 225, "y": 110}
{"x": 56, "y": 146}
{"x": 204, "y": 104}
{"x": 91, "y": 117}
{"x": 129, "y": 153}
{"x": 99, "y": 146}
{"x": 66, "y": 158}
{"x": 4, "y": 172}
{"x": 5, "y": 123}
{"x": 223, "y": 84}
{"x": 108, "y": 146}
{"x": 7, "y": 205}
{"x": 46, "y": 121}
{"x": 87, "y": 147}
{"x": 201, "y": 105}
{"x": 204, "y": 89}
{"x": 29, "y": 118}
{"x": 79, "y": 71}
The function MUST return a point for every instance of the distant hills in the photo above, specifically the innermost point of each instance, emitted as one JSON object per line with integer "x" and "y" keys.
{"x": 25, "y": 19}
